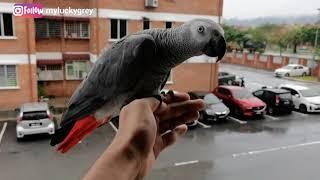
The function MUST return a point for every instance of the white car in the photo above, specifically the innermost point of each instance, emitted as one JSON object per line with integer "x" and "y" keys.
{"x": 305, "y": 99}
{"x": 292, "y": 70}
{"x": 34, "y": 118}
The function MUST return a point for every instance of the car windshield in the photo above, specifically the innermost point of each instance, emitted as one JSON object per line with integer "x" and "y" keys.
{"x": 211, "y": 99}
{"x": 35, "y": 115}
{"x": 242, "y": 94}
{"x": 287, "y": 67}
{"x": 309, "y": 93}
{"x": 285, "y": 96}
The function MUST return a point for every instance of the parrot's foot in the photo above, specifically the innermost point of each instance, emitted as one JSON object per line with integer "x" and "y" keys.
{"x": 170, "y": 93}
{"x": 157, "y": 96}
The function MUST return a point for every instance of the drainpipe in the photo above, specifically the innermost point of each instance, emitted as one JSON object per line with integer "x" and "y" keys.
{"x": 29, "y": 51}
{"x": 97, "y": 29}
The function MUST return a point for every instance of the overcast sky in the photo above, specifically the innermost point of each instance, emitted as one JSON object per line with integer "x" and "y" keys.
{"x": 256, "y": 8}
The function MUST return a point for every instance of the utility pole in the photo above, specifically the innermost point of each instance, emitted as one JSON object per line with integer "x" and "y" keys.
{"x": 316, "y": 39}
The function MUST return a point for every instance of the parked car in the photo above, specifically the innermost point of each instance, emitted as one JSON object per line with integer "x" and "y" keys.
{"x": 215, "y": 109}
{"x": 304, "y": 98}
{"x": 225, "y": 78}
{"x": 34, "y": 118}
{"x": 277, "y": 100}
{"x": 240, "y": 101}
{"x": 292, "y": 70}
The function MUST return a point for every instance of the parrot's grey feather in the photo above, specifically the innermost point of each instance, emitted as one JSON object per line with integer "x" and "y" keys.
{"x": 117, "y": 72}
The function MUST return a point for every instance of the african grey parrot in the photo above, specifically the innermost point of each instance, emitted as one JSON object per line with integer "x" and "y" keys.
{"x": 136, "y": 66}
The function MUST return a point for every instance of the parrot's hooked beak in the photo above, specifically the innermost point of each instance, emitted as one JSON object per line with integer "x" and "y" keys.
{"x": 216, "y": 47}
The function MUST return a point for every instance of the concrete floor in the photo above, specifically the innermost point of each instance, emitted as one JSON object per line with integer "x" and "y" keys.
{"x": 277, "y": 147}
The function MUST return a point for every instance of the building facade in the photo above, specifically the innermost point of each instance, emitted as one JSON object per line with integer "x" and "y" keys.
{"x": 51, "y": 55}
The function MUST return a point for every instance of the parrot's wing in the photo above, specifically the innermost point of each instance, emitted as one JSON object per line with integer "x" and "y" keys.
{"x": 116, "y": 72}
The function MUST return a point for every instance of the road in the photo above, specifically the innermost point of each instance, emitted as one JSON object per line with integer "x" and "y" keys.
{"x": 256, "y": 78}
{"x": 285, "y": 147}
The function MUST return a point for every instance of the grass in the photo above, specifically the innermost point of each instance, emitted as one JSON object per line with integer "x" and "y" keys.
{"x": 306, "y": 78}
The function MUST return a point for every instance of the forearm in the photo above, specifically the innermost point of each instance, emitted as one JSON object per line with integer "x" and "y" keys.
{"x": 119, "y": 162}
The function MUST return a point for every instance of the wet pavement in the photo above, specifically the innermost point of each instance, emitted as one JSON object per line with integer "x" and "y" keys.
{"x": 277, "y": 147}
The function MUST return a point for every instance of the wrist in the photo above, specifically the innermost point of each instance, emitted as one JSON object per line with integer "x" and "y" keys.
{"x": 133, "y": 146}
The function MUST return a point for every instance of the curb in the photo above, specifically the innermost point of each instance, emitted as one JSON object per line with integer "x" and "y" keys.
{"x": 8, "y": 120}
{"x": 291, "y": 79}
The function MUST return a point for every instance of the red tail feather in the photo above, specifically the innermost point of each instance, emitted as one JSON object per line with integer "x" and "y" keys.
{"x": 81, "y": 128}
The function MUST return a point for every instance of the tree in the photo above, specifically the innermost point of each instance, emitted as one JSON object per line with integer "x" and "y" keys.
{"x": 234, "y": 36}
{"x": 317, "y": 59}
{"x": 295, "y": 37}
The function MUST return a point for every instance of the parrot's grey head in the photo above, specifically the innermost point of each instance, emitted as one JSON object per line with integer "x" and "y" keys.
{"x": 206, "y": 36}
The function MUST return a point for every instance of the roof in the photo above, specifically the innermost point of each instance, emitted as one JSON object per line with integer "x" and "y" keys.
{"x": 293, "y": 65}
{"x": 277, "y": 91}
{"x": 296, "y": 87}
{"x": 232, "y": 87}
{"x": 36, "y": 106}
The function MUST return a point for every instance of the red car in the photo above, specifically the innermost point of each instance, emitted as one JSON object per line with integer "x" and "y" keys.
{"x": 240, "y": 101}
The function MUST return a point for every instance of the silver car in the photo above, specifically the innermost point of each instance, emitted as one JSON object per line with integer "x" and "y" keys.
{"x": 34, "y": 118}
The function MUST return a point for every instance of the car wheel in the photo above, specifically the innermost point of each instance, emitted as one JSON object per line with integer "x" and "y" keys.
{"x": 202, "y": 116}
{"x": 287, "y": 75}
{"x": 270, "y": 110}
{"x": 19, "y": 139}
{"x": 237, "y": 112}
{"x": 304, "y": 74}
{"x": 303, "y": 108}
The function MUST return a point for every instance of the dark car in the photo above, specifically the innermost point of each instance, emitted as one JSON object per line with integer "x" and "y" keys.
{"x": 225, "y": 78}
{"x": 215, "y": 109}
{"x": 240, "y": 101}
{"x": 277, "y": 100}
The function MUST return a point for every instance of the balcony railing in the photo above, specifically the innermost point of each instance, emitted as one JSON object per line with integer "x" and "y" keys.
{"x": 52, "y": 75}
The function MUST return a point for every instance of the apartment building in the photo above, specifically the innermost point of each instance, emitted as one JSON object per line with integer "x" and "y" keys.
{"x": 51, "y": 55}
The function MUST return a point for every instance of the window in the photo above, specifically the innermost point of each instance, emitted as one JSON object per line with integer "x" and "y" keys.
{"x": 53, "y": 67}
{"x": 146, "y": 24}
{"x": 6, "y": 24}
{"x": 224, "y": 92}
{"x": 293, "y": 92}
{"x": 258, "y": 93}
{"x": 118, "y": 28}
{"x": 8, "y": 76}
{"x": 76, "y": 69}
{"x": 268, "y": 95}
{"x": 46, "y": 28}
{"x": 76, "y": 29}
{"x": 168, "y": 25}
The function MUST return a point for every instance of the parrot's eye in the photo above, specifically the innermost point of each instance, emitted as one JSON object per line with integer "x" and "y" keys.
{"x": 200, "y": 29}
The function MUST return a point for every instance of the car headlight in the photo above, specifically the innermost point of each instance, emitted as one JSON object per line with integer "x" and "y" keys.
{"x": 314, "y": 105}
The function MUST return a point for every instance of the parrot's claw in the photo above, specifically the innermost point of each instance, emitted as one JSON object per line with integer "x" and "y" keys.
{"x": 171, "y": 93}
{"x": 158, "y": 97}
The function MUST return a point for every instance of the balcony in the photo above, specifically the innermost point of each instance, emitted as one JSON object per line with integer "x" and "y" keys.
{"x": 52, "y": 75}
{"x": 50, "y": 72}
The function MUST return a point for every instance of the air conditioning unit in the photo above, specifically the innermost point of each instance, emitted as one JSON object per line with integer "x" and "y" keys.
{"x": 152, "y": 3}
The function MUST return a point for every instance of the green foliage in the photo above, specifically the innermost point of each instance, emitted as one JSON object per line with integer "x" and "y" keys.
{"x": 317, "y": 53}
{"x": 41, "y": 90}
{"x": 234, "y": 36}
{"x": 272, "y": 35}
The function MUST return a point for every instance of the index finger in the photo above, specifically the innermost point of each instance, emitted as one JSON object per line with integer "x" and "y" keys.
{"x": 176, "y": 97}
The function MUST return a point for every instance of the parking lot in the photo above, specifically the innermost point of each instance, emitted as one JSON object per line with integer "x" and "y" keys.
{"x": 276, "y": 147}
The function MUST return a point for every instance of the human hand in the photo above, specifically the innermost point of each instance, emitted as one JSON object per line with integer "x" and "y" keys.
{"x": 147, "y": 127}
